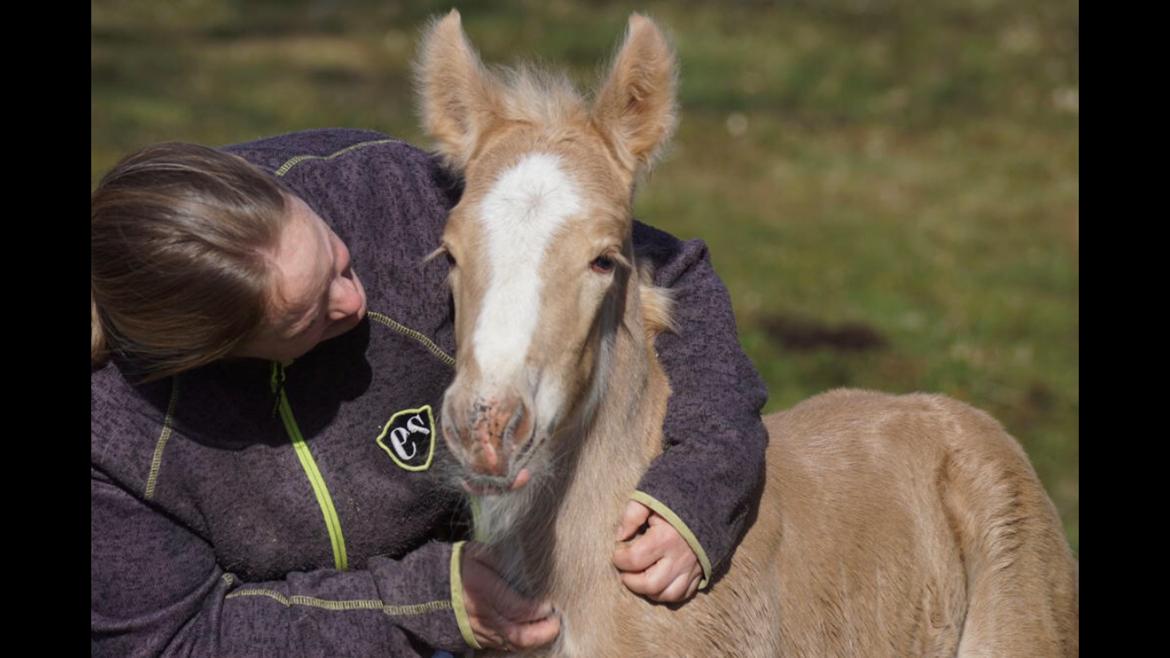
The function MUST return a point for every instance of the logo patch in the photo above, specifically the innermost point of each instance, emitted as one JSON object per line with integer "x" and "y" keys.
{"x": 409, "y": 438}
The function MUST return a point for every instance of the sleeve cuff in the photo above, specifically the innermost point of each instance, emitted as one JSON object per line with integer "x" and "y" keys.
{"x": 457, "y": 596}
{"x": 676, "y": 522}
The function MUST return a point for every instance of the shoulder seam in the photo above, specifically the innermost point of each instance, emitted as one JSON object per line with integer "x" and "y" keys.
{"x": 156, "y": 461}
{"x": 426, "y": 342}
{"x": 298, "y": 159}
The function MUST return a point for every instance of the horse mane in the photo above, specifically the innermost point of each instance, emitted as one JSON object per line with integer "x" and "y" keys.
{"x": 657, "y": 307}
{"x": 534, "y": 94}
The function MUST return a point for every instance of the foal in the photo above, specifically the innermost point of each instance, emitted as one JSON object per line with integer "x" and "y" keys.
{"x": 888, "y": 525}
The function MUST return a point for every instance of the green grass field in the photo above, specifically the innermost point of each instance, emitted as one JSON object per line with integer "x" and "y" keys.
{"x": 889, "y": 189}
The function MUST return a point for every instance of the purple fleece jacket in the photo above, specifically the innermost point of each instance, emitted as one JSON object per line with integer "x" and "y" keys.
{"x": 246, "y": 510}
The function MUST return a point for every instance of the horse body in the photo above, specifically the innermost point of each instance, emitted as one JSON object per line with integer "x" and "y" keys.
{"x": 888, "y": 525}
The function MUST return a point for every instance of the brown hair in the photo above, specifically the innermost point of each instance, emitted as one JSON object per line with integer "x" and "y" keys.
{"x": 181, "y": 237}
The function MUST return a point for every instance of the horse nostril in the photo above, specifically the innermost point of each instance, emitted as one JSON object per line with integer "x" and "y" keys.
{"x": 454, "y": 427}
{"x": 521, "y": 425}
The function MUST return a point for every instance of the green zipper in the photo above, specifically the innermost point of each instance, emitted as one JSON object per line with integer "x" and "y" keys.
{"x": 310, "y": 465}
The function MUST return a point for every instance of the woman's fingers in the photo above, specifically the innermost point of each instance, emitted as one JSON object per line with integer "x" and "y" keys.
{"x": 500, "y": 617}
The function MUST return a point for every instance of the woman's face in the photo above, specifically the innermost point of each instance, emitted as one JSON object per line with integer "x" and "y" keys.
{"x": 317, "y": 294}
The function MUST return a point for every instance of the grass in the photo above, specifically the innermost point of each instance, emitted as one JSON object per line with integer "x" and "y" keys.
{"x": 908, "y": 167}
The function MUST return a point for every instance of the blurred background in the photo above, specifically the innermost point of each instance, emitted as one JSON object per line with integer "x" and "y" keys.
{"x": 889, "y": 188}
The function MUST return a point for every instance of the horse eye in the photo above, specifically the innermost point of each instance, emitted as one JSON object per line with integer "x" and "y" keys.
{"x": 450, "y": 259}
{"x": 602, "y": 265}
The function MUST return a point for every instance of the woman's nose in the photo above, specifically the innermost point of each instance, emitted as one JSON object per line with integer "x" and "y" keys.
{"x": 346, "y": 296}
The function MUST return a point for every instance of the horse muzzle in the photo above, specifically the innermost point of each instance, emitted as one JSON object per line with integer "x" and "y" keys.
{"x": 489, "y": 435}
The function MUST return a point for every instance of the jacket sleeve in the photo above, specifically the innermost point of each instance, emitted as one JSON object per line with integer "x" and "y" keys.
{"x": 708, "y": 480}
{"x": 157, "y": 590}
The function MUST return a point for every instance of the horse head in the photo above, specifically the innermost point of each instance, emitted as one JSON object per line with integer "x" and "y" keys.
{"x": 542, "y": 265}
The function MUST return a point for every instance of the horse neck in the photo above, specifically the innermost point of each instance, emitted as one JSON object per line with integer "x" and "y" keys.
{"x": 561, "y": 534}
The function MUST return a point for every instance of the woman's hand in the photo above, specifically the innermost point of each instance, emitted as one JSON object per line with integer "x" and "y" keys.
{"x": 658, "y": 564}
{"x": 501, "y": 618}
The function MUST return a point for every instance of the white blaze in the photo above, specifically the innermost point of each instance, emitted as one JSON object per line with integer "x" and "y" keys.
{"x": 522, "y": 212}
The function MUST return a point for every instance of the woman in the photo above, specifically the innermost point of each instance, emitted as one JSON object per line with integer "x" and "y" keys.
{"x": 270, "y": 348}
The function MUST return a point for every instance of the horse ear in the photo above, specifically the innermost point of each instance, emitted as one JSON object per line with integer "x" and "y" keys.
{"x": 636, "y": 106}
{"x": 458, "y": 96}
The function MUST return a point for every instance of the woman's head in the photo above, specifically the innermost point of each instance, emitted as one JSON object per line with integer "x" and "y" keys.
{"x": 315, "y": 293}
{"x": 197, "y": 255}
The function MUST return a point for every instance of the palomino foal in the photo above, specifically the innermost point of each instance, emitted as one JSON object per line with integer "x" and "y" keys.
{"x": 888, "y": 525}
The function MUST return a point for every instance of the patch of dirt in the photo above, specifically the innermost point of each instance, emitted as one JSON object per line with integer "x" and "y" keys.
{"x": 800, "y": 334}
